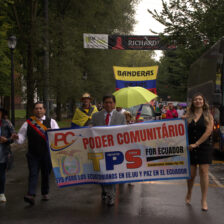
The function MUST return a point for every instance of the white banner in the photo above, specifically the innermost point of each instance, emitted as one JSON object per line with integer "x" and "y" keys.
{"x": 117, "y": 154}
{"x": 99, "y": 41}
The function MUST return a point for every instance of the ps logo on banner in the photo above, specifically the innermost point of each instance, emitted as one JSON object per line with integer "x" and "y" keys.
{"x": 132, "y": 158}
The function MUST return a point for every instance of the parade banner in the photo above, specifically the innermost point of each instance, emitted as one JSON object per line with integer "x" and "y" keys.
{"x": 136, "y": 76}
{"x": 99, "y": 41}
{"x": 118, "y": 154}
{"x": 125, "y": 42}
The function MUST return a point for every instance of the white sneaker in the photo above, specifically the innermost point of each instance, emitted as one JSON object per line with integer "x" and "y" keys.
{"x": 2, "y": 198}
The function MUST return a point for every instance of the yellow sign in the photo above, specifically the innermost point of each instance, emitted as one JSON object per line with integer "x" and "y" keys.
{"x": 135, "y": 73}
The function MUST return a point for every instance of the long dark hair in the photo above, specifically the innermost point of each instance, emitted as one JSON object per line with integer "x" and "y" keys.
{"x": 205, "y": 108}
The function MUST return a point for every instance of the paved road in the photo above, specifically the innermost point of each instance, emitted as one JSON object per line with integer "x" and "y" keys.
{"x": 152, "y": 202}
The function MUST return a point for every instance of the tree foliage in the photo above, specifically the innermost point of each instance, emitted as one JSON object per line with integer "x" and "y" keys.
{"x": 4, "y": 52}
{"x": 194, "y": 25}
{"x": 68, "y": 60}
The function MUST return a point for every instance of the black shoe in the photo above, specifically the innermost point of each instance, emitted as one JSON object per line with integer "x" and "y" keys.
{"x": 45, "y": 197}
{"x": 29, "y": 199}
{"x": 204, "y": 209}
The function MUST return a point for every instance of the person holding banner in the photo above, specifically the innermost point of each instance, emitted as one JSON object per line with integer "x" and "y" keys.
{"x": 129, "y": 118}
{"x": 106, "y": 117}
{"x": 83, "y": 114}
{"x": 38, "y": 156}
{"x": 200, "y": 127}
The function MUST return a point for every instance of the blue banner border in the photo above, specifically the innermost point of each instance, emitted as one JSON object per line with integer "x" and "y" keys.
{"x": 143, "y": 180}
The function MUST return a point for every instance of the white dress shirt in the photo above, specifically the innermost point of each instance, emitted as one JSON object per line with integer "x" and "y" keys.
{"x": 105, "y": 115}
{"x": 122, "y": 111}
{"x": 22, "y": 134}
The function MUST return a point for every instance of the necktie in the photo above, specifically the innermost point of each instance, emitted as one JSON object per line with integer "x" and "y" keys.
{"x": 107, "y": 119}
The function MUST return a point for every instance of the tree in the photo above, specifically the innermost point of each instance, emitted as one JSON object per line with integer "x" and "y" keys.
{"x": 194, "y": 25}
{"x": 68, "y": 60}
{"x": 172, "y": 76}
{"x": 69, "y": 20}
{"x": 25, "y": 14}
{"x": 4, "y": 53}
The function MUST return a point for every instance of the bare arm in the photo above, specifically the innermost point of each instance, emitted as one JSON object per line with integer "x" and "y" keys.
{"x": 21, "y": 136}
{"x": 184, "y": 116}
{"x": 206, "y": 134}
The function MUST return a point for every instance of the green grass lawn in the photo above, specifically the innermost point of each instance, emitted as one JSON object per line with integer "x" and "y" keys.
{"x": 20, "y": 113}
{"x": 64, "y": 123}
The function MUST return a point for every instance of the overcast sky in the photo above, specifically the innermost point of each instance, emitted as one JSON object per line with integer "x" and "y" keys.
{"x": 145, "y": 22}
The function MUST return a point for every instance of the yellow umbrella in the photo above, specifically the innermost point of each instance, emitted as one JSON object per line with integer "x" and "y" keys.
{"x": 132, "y": 96}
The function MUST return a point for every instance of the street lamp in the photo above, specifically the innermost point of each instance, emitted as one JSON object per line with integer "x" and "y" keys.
{"x": 12, "y": 45}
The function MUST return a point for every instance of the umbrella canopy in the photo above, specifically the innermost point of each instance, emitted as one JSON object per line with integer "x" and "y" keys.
{"x": 132, "y": 96}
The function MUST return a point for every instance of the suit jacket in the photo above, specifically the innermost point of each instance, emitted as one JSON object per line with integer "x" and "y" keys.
{"x": 98, "y": 119}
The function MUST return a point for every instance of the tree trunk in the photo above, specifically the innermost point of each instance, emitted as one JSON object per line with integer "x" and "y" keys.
{"x": 58, "y": 108}
{"x": 30, "y": 48}
{"x": 46, "y": 60}
{"x": 30, "y": 81}
{"x": 6, "y": 104}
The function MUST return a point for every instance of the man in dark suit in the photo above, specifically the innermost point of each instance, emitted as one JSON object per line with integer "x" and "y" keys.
{"x": 108, "y": 116}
